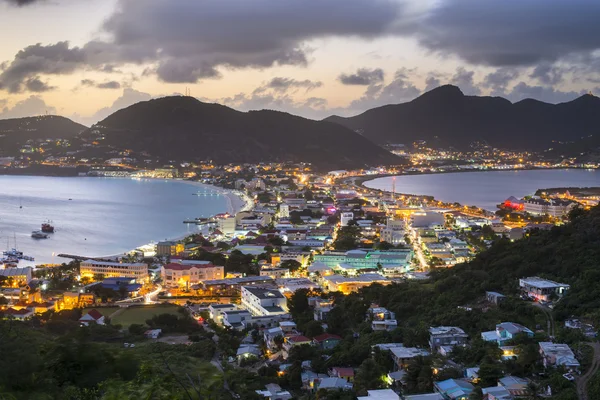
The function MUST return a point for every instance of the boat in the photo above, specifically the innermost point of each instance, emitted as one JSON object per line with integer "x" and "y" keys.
{"x": 39, "y": 235}
{"x": 13, "y": 253}
{"x": 47, "y": 228}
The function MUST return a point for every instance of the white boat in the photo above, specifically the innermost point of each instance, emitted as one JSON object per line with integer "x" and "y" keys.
{"x": 39, "y": 235}
{"x": 13, "y": 253}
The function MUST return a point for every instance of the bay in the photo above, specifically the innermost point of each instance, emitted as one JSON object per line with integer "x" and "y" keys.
{"x": 489, "y": 188}
{"x": 100, "y": 216}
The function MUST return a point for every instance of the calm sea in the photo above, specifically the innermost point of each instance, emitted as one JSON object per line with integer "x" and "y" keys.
{"x": 489, "y": 188}
{"x": 99, "y": 216}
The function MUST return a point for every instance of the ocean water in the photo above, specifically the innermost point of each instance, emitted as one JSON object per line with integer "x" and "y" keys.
{"x": 100, "y": 216}
{"x": 489, "y": 188}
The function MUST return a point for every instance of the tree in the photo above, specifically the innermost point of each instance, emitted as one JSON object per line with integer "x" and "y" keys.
{"x": 292, "y": 265}
{"x": 369, "y": 376}
{"x": 313, "y": 328}
{"x": 98, "y": 277}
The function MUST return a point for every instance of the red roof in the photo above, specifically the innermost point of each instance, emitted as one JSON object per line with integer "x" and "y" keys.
{"x": 22, "y": 311}
{"x": 326, "y": 336}
{"x": 95, "y": 314}
{"x": 343, "y": 372}
{"x": 298, "y": 339}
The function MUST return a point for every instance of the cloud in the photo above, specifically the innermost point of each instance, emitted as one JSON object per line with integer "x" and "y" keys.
{"x": 511, "y": 32}
{"x": 21, "y": 3}
{"x": 548, "y": 74}
{"x": 282, "y": 85}
{"x": 35, "y": 84}
{"x": 363, "y": 76}
{"x": 498, "y": 81}
{"x": 31, "y": 106}
{"x": 464, "y": 79}
{"x": 29, "y": 63}
{"x": 400, "y": 90}
{"x": 109, "y": 85}
{"x": 547, "y": 94}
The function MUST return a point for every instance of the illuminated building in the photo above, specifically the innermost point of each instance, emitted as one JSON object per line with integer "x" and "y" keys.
{"x": 138, "y": 271}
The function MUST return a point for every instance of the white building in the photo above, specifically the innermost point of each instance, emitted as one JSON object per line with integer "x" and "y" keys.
{"x": 552, "y": 207}
{"x": 227, "y": 225}
{"x": 261, "y": 301}
{"x": 284, "y": 211}
{"x": 190, "y": 272}
{"x": 542, "y": 289}
{"x": 381, "y": 394}
{"x": 346, "y": 218}
{"x": 137, "y": 271}
{"x": 555, "y": 354}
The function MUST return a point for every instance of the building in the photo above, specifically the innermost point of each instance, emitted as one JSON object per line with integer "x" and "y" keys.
{"x": 326, "y": 341}
{"x": 334, "y": 384}
{"x": 20, "y": 276}
{"x": 227, "y": 225}
{"x": 292, "y": 341}
{"x": 345, "y": 218}
{"x": 515, "y": 385}
{"x": 339, "y": 283}
{"x": 495, "y": 297}
{"x": 274, "y": 392}
{"x": 557, "y": 354}
{"x": 342, "y": 372}
{"x": 93, "y": 316}
{"x": 454, "y": 389}
{"x": 121, "y": 283}
{"x": 380, "y": 394}
{"x": 216, "y": 311}
{"x": 505, "y": 332}
{"x": 260, "y": 301}
{"x": 322, "y": 309}
{"x": 237, "y": 283}
{"x": 248, "y": 352}
{"x": 552, "y": 207}
{"x": 496, "y": 393}
{"x": 137, "y": 271}
{"x": 236, "y": 319}
{"x": 284, "y": 211}
{"x": 190, "y": 272}
{"x": 426, "y": 396}
{"x": 361, "y": 259}
{"x": 542, "y": 289}
{"x": 446, "y": 336}
{"x": 427, "y": 219}
{"x": 168, "y": 248}
{"x": 403, "y": 355}
{"x": 153, "y": 333}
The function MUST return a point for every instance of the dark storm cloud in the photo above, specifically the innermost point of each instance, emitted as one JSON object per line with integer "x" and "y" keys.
{"x": 21, "y": 3}
{"x": 37, "y": 85}
{"x": 512, "y": 32}
{"x": 190, "y": 40}
{"x": 498, "y": 81}
{"x": 363, "y": 77}
{"x": 54, "y": 59}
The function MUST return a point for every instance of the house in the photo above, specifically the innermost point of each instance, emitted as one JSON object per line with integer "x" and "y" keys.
{"x": 454, "y": 389}
{"x": 346, "y": 373}
{"x": 381, "y": 394}
{"x": 495, "y": 297}
{"x": 153, "y": 333}
{"x": 334, "y": 384}
{"x": 247, "y": 352}
{"x": 92, "y": 316}
{"x": 260, "y": 301}
{"x": 326, "y": 341}
{"x": 446, "y": 336}
{"x": 515, "y": 385}
{"x": 292, "y": 341}
{"x": 505, "y": 332}
{"x": 427, "y": 396}
{"x": 236, "y": 319}
{"x": 274, "y": 392}
{"x": 269, "y": 336}
{"x": 404, "y": 355}
{"x": 385, "y": 325}
{"x": 496, "y": 393}
{"x": 322, "y": 309}
{"x": 542, "y": 289}
{"x": 215, "y": 311}
{"x": 21, "y": 314}
{"x": 555, "y": 354}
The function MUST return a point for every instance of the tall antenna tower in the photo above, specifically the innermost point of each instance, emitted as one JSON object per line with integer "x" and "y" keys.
{"x": 394, "y": 188}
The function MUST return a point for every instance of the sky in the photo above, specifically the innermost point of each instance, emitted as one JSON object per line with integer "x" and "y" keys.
{"x": 85, "y": 59}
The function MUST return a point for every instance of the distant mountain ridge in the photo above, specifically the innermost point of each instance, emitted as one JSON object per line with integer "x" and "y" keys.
{"x": 449, "y": 118}
{"x": 14, "y": 132}
{"x": 183, "y": 128}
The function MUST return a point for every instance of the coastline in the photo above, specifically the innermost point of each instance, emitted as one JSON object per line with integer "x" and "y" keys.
{"x": 236, "y": 202}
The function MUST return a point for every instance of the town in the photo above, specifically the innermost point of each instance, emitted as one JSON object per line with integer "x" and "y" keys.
{"x": 293, "y": 291}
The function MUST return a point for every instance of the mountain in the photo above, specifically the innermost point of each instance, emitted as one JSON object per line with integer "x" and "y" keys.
{"x": 447, "y": 117}
{"x": 17, "y": 131}
{"x": 183, "y": 128}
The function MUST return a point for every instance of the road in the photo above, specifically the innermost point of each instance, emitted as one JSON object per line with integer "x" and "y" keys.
{"x": 549, "y": 318}
{"x": 152, "y": 297}
{"x": 583, "y": 380}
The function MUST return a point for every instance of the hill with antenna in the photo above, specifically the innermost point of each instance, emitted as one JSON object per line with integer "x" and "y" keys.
{"x": 183, "y": 128}
{"x": 446, "y": 117}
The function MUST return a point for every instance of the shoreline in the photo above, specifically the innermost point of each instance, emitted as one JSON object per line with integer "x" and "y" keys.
{"x": 235, "y": 202}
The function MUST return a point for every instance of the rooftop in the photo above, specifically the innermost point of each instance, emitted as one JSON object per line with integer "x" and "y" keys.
{"x": 262, "y": 293}
{"x": 541, "y": 283}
